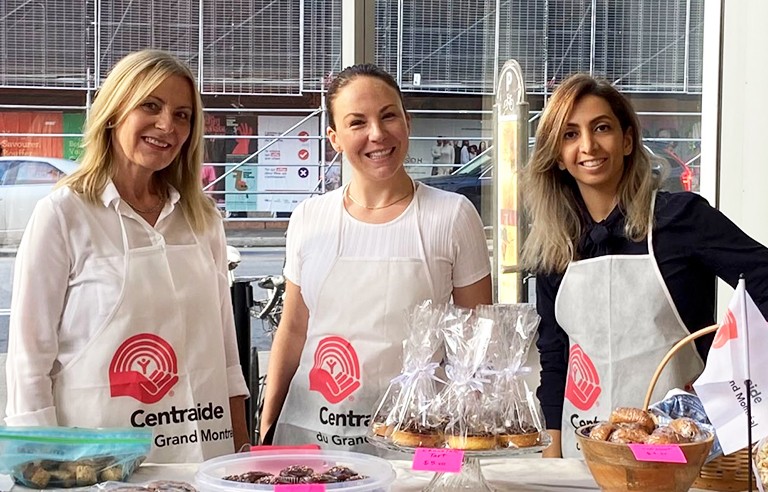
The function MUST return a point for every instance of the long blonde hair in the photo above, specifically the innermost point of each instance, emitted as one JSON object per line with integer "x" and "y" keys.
{"x": 551, "y": 194}
{"x": 128, "y": 84}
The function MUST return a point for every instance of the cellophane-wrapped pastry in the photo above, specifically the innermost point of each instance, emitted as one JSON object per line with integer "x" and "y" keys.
{"x": 517, "y": 412}
{"x": 463, "y": 403}
{"x": 403, "y": 414}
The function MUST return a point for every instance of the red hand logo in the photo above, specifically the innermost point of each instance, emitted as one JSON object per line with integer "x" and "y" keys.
{"x": 143, "y": 367}
{"x": 336, "y": 372}
{"x": 583, "y": 385}
{"x": 727, "y": 331}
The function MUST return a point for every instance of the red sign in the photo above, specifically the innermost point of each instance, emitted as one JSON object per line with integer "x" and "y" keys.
{"x": 303, "y": 133}
{"x": 303, "y": 154}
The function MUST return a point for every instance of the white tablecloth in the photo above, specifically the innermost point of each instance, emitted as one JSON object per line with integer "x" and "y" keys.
{"x": 516, "y": 474}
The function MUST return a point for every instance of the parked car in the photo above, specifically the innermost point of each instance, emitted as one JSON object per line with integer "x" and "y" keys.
{"x": 474, "y": 178}
{"x": 23, "y": 181}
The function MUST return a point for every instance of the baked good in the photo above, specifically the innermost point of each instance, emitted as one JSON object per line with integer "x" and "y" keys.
{"x": 471, "y": 442}
{"x": 415, "y": 439}
{"x": 523, "y": 440}
{"x": 416, "y": 436}
{"x": 686, "y": 428}
{"x": 629, "y": 415}
{"x": 381, "y": 429}
{"x": 629, "y": 434}
{"x": 602, "y": 431}
{"x": 663, "y": 435}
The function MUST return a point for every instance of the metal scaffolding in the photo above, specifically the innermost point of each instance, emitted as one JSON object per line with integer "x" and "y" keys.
{"x": 288, "y": 47}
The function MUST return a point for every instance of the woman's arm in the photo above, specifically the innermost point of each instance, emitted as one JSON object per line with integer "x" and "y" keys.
{"x": 40, "y": 283}
{"x": 237, "y": 387}
{"x": 285, "y": 354}
{"x": 553, "y": 353}
{"x": 471, "y": 262}
{"x": 474, "y": 294}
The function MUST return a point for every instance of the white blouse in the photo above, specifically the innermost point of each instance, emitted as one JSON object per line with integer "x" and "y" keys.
{"x": 67, "y": 280}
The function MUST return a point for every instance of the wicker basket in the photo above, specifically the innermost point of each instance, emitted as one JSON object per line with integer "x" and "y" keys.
{"x": 725, "y": 473}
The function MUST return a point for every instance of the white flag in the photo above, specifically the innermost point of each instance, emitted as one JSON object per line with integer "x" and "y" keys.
{"x": 721, "y": 386}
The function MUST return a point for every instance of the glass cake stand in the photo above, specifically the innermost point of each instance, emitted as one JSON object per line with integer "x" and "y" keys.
{"x": 471, "y": 476}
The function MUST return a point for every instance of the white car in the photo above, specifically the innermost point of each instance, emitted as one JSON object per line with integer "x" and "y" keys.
{"x": 23, "y": 181}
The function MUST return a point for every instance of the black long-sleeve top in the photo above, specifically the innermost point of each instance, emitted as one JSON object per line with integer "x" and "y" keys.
{"x": 693, "y": 244}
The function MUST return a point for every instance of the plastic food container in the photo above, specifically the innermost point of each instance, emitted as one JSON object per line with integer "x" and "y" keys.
{"x": 379, "y": 472}
{"x": 64, "y": 457}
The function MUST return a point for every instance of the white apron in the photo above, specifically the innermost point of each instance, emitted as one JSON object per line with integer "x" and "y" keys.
{"x": 158, "y": 360}
{"x": 354, "y": 346}
{"x": 620, "y": 321}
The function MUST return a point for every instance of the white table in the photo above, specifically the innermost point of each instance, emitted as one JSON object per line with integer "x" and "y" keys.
{"x": 516, "y": 474}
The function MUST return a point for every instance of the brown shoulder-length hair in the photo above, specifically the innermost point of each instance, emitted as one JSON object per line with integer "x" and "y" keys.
{"x": 128, "y": 84}
{"x": 550, "y": 194}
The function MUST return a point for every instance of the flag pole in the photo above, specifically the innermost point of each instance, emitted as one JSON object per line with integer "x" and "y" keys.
{"x": 747, "y": 374}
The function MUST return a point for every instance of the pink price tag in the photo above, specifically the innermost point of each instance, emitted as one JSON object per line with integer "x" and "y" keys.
{"x": 663, "y": 453}
{"x": 300, "y": 487}
{"x": 438, "y": 460}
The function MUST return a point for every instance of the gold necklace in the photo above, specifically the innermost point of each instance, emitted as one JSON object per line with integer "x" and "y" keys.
{"x": 379, "y": 207}
{"x": 152, "y": 210}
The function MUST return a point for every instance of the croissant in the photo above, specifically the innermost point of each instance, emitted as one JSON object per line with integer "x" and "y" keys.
{"x": 663, "y": 435}
{"x": 629, "y": 415}
{"x": 627, "y": 435}
{"x": 602, "y": 431}
{"x": 686, "y": 428}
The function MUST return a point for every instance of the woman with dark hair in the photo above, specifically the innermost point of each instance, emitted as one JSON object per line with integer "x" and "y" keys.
{"x": 356, "y": 259}
{"x": 623, "y": 271}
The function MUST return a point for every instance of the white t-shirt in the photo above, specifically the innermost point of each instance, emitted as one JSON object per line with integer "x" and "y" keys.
{"x": 452, "y": 232}
{"x": 67, "y": 280}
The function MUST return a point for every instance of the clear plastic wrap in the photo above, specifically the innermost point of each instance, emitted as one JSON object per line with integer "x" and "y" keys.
{"x": 63, "y": 457}
{"x": 403, "y": 414}
{"x": 761, "y": 464}
{"x": 518, "y": 417}
{"x": 464, "y": 402}
{"x": 679, "y": 404}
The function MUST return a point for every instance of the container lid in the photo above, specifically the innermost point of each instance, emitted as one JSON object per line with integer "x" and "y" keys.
{"x": 378, "y": 471}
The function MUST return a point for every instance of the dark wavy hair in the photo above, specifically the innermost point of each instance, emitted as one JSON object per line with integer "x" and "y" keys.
{"x": 351, "y": 73}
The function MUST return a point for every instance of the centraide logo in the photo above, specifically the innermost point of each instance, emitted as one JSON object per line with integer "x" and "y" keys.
{"x": 144, "y": 367}
{"x": 583, "y": 385}
{"x": 727, "y": 331}
{"x": 336, "y": 372}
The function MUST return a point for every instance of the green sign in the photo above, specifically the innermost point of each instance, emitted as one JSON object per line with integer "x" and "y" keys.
{"x": 73, "y": 123}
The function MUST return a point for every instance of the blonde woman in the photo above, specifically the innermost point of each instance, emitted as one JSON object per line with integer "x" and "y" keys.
{"x": 623, "y": 271}
{"x": 121, "y": 313}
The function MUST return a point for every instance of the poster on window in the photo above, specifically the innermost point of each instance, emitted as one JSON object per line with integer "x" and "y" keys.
{"x": 289, "y": 164}
{"x": 510, "y": 147}
{"x": 31, "y": 122}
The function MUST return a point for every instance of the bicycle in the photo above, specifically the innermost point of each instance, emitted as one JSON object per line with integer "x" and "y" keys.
{"x": 269, "y": 310}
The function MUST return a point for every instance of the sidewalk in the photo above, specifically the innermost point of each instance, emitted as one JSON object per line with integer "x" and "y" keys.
{"x": 255, "y": 234}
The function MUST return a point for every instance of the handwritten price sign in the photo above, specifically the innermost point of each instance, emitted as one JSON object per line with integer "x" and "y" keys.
{"x": 667, "y": 453}
{"x": 438, "y": 460}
